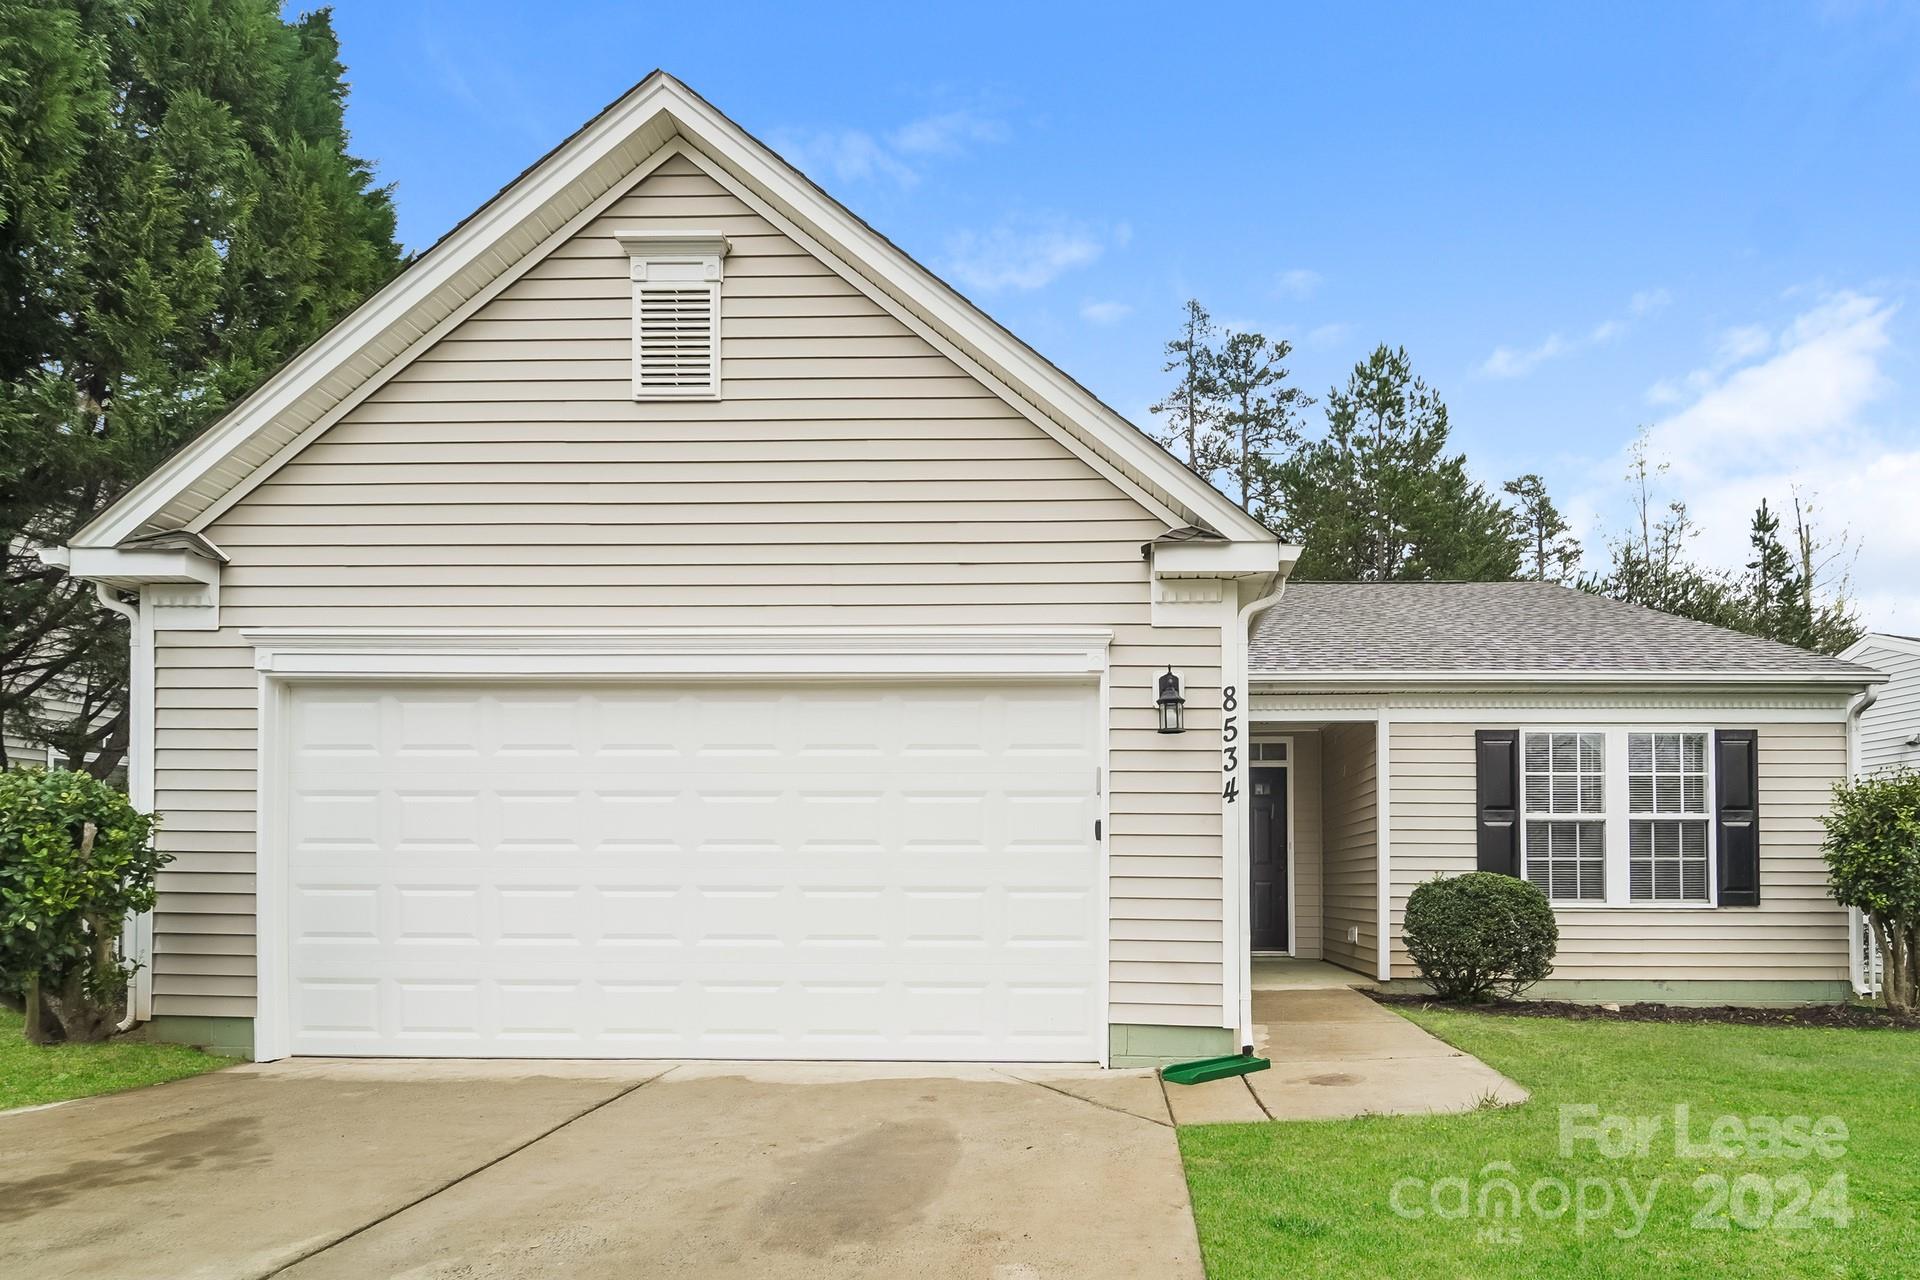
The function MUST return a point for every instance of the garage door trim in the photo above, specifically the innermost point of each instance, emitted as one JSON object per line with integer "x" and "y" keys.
{"x": 286, "y": 658}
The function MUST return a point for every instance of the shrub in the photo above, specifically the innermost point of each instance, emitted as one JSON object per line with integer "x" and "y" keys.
{"x": 1873, "y": 863}
{"x": 75, "y": 859}
{"x": 1480, "y": 934}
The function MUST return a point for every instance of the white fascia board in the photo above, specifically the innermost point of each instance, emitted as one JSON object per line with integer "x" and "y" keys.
{"x": 1205, "y": 558}
{"x": 943, "y": 308}
{"x": 439, "y": 268}
{"x": 137, "y": 567}
{"x": 1878, "y": 640}
{"x": 940, "y": 305}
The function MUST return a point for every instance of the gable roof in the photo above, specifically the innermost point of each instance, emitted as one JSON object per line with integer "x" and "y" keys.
{"x": 1404, "y": 632}
{"x": 1885, "y": 641}
{"x": 658, "y": 118}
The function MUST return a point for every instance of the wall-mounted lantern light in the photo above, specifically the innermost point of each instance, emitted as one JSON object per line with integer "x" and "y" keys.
{"x": 1170, "y": 702}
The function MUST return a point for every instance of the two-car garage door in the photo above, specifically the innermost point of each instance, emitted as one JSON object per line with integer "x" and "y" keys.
{"x": 883, "y": 871}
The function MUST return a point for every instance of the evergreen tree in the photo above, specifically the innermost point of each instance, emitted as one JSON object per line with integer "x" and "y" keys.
{"x": 1189, "y": 409}
{"x": 178, "y": 216}
{"x": 1257, "y": 415}
{"x": 1549, "y": 551}
{"x": 1379, "y": 498}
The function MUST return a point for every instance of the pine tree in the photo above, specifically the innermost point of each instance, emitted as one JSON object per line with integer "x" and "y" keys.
{"x": 1257, "y": 415}
{"x": 179, "y": 215}
{"x": 1379, "y": 498}
{"x": 1549, "y": 551}
{"x": 1189, "y": 409}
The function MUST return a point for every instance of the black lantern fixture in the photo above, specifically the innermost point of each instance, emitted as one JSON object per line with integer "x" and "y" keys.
{"x": 1170, "y": 703}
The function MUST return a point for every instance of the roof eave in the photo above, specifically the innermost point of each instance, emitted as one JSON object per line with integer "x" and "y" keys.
{"x": 1416, "y": 681}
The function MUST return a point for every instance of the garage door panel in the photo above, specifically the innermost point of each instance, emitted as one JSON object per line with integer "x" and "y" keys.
{"x": 736, "y": 871}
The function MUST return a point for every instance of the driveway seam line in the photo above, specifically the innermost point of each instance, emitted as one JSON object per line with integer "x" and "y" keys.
{"x": 1119, "y": 1111}
{"x": 451, "y": 1183}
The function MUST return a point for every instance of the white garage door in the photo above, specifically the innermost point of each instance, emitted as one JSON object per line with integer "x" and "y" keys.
{"x": 881, "y": 871}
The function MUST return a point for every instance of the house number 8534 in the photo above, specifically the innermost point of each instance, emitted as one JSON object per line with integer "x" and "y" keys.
{"x": 1229, "y": 739}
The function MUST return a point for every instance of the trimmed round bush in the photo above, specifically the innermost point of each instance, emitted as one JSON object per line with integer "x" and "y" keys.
{"x": 1480, "y": 935}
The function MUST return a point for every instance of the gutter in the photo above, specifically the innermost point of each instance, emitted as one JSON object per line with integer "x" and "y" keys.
{"x": 136, "y": 935}
{"x": 1856, "y": 708}
{"x": 1238, "y": 933}
{"x": 137, "y": 756}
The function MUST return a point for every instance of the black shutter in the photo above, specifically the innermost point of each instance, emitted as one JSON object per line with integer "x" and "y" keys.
{"x": 1496, "y": 754}
{"x": 1736, "y": 810}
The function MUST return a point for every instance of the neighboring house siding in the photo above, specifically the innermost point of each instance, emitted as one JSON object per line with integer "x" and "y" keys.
{"x": 850, "y": 475}
{"x": 1350, "y": 861}
{"x": 1307, "y": 837}
{"x": 1797, "y": 933}
{"x": 1894, "y": 716}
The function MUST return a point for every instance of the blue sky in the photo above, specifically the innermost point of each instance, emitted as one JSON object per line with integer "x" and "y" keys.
{"x": 1580, "y": 220}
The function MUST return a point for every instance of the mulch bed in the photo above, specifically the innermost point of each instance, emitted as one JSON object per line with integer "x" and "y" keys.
{"x": 1849, "y": 1016}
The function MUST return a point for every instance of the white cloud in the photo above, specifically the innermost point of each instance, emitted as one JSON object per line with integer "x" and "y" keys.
{"x": 1105, "y": 312}
{"x": 946, "y": 133}
{"x": 1022, "y": 253}
{"x": 1509, "y": 362}
{"x": 1648, "y": 301}
{"x": 1518, "y": 362}
{"x": 844, "y": 155}
{"x": 1798, "y": 409}
{"x": 1297, "y": 283}
{"x": 857, "y": 155}
{"x": 1328, "y": 335}
{"x": 1743, "y": 343}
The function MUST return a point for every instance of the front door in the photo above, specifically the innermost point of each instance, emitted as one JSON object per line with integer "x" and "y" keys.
{"x": 1268, "y": 860}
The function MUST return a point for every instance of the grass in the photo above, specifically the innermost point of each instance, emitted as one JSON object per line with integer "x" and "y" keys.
{"x": 32, "y": 1074}
{"x": 1317, "y": 1198}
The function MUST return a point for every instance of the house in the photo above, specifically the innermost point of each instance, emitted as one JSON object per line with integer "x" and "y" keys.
{"x": 1889, "y": 727}
{"x": 1887, "y": 736}
{"x": 667, "y": 621}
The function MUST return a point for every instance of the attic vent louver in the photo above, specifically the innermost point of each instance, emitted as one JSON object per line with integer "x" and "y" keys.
{"x": 676, "y": 312}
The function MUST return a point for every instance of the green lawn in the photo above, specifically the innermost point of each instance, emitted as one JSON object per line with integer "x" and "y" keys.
{"x": 31, "y": 1074}
{"x": 1318, "y": 1199}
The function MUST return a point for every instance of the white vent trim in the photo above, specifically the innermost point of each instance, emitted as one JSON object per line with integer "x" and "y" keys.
{"x": 676, "y": 312}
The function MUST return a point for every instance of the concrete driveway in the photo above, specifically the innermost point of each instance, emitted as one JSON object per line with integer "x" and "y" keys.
{"x": 428, "y": 1170}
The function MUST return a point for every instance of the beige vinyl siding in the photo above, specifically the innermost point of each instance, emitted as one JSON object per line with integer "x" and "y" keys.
{"x": 1351, "y": 857}
{"x": 1894, "y": 716}
{"x": 1796, "y": 934}
{"x": 849, "y": 475}
{"x": 1307, "y": 839}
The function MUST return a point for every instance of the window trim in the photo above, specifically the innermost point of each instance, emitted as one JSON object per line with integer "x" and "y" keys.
{"x": 1707, "y": 816}
{"x": 1617, "y": 818}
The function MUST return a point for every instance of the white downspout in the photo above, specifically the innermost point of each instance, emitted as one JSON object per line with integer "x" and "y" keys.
{"x": 1859, "y": 965}
{"x": 1235, "y": 893}
{"x": 135, "y": 937}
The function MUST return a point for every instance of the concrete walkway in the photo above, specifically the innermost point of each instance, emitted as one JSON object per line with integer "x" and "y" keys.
{"x": 437, "y": 1170}
{"x": 1337, "y": 1054}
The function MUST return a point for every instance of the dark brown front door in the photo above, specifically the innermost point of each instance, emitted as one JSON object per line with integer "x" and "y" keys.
{"x": 1268, "y": 859}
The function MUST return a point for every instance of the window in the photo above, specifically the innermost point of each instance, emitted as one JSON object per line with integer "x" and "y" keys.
{"x": 1269, "y": 753}
{"x": 1618, "y": 817}
{"x": 1667, "y": 816}
{"x": 676, "y": 312}
{"x": 1564, "y": 788}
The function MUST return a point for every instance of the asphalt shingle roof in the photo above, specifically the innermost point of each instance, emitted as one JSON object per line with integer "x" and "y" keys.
{"x": 1460, "y": 628}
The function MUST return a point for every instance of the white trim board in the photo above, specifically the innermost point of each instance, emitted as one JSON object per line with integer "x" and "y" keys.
{"x": 670, "y": 653}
